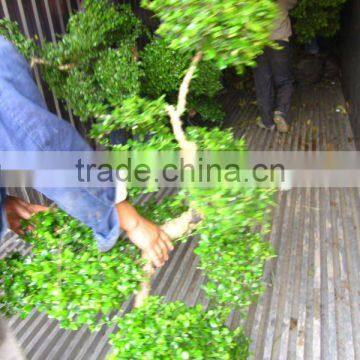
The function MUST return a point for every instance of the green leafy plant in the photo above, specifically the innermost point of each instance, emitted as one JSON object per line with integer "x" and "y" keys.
{"x": 124, "y": 81}
{"x": 233, "y": 260}
{"x": 207, "y": 108}
{"x": 230, "y": 33}
{"x": 317, "y": 18}
{"x": 11, "y": 30}
{"x": 65, "y": 276}
{"x": 97, "y": 63}
{"x": 166, "y": 78}
{"x": 178, "y": 333}
{"x": 138, "y": 115}
{"x": 163, "y": 70}
{"x": 94, "y": 64}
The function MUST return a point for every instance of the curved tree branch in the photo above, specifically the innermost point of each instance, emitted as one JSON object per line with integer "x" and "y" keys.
{"x": 175, "y": 229}
{"x": 37, "y": 61}
{"x": 185, "y": 223}
{"x": 185, "y": 85}
{"x": 176, "y": 113}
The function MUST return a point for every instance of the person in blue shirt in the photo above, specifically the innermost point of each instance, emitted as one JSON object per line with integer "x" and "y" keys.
{"x": 27, "y": 125}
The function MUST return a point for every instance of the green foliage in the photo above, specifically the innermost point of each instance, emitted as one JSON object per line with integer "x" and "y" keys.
{"x": 317, "y": 18}
{"x": 165, "y": 331}
{"x": 98, "y": 49}
{"x": 215, "y": 139}
{"x": 66, "y": 277}
{"x": 164, "y": 70}
{"x": 207, "y": 80}
{"x": 232, "y": 250}
{"x": 231, "y": 32}
{"x": 206, "y": 139}
{"x": 139, "y": 115}
{"x": 11, "y": 31}
{"x": 208, "y": 108}
{"x": 167, "y": 209}
{"x": 117, "y": 74}
{"x": 82, "y": 99}
{"x": 98, "y": 28}
{"x": 96, "y": 65}
{"x": 12, "y": 291}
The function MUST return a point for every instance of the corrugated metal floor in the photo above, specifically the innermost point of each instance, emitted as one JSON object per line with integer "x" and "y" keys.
{"x": 311, "y": 308}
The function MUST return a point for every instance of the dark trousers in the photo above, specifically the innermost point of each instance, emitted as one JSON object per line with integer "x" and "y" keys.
{"x": 273, "y": 82}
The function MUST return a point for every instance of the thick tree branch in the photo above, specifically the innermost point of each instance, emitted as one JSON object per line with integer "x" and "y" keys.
{"x": 185, "y": 223}
{"x": 175, "y": 229}
{"x": 145, "y": 286}
{"x": 176, "y": 113}
{"x": 185, "y": 85}
{"x": 185, "y": 145}
{"x": 182, "y": 225}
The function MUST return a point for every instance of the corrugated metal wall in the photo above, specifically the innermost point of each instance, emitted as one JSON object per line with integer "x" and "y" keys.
{"x": 351, "y": 63}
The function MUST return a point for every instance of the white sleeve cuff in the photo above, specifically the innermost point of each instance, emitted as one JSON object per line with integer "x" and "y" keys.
{"x": 120, "y": 190}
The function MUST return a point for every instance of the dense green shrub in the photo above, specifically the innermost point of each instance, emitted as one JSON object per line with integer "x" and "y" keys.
{"x": 207, "y": 108}
{"x": 231, "y": 249}
{"x": 179, "y": 333}
{"x": 164, "y": 79}
{"x": 138, "y": 115}
{"x": 97, "y": 64}
{"x": 317, "y": 18}
{"x": 164, "y": 68}
{"x": 162, "y": 211}
{"x": 66, "y": 277}
{"x": 98, "y": 49}
{"x": 231, "y": 33}
{"x": 98, "y": 28}
{"x": 10, "y": 30}
{"x": 117, "y": 75}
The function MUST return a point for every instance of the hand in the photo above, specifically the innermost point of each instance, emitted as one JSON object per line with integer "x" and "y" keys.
{"x": 17, "y": 210}
{"x": 148, "y": 237}
{"x": 154, "y": 243}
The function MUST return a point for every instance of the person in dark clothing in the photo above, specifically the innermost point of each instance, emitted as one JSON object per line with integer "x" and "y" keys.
{"x": 273, "y": 77}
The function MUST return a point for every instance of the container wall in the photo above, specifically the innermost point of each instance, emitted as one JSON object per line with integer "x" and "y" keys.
{"x": 350, "y": 42}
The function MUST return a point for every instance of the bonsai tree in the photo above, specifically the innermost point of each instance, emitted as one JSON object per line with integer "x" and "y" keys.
{"x": 95, "y": 67}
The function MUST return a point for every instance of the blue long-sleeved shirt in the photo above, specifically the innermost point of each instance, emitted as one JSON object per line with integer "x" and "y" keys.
{"x": 27, "y": 125}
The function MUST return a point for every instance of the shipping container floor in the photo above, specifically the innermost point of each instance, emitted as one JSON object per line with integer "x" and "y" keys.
{"x": 311, "y": 307}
